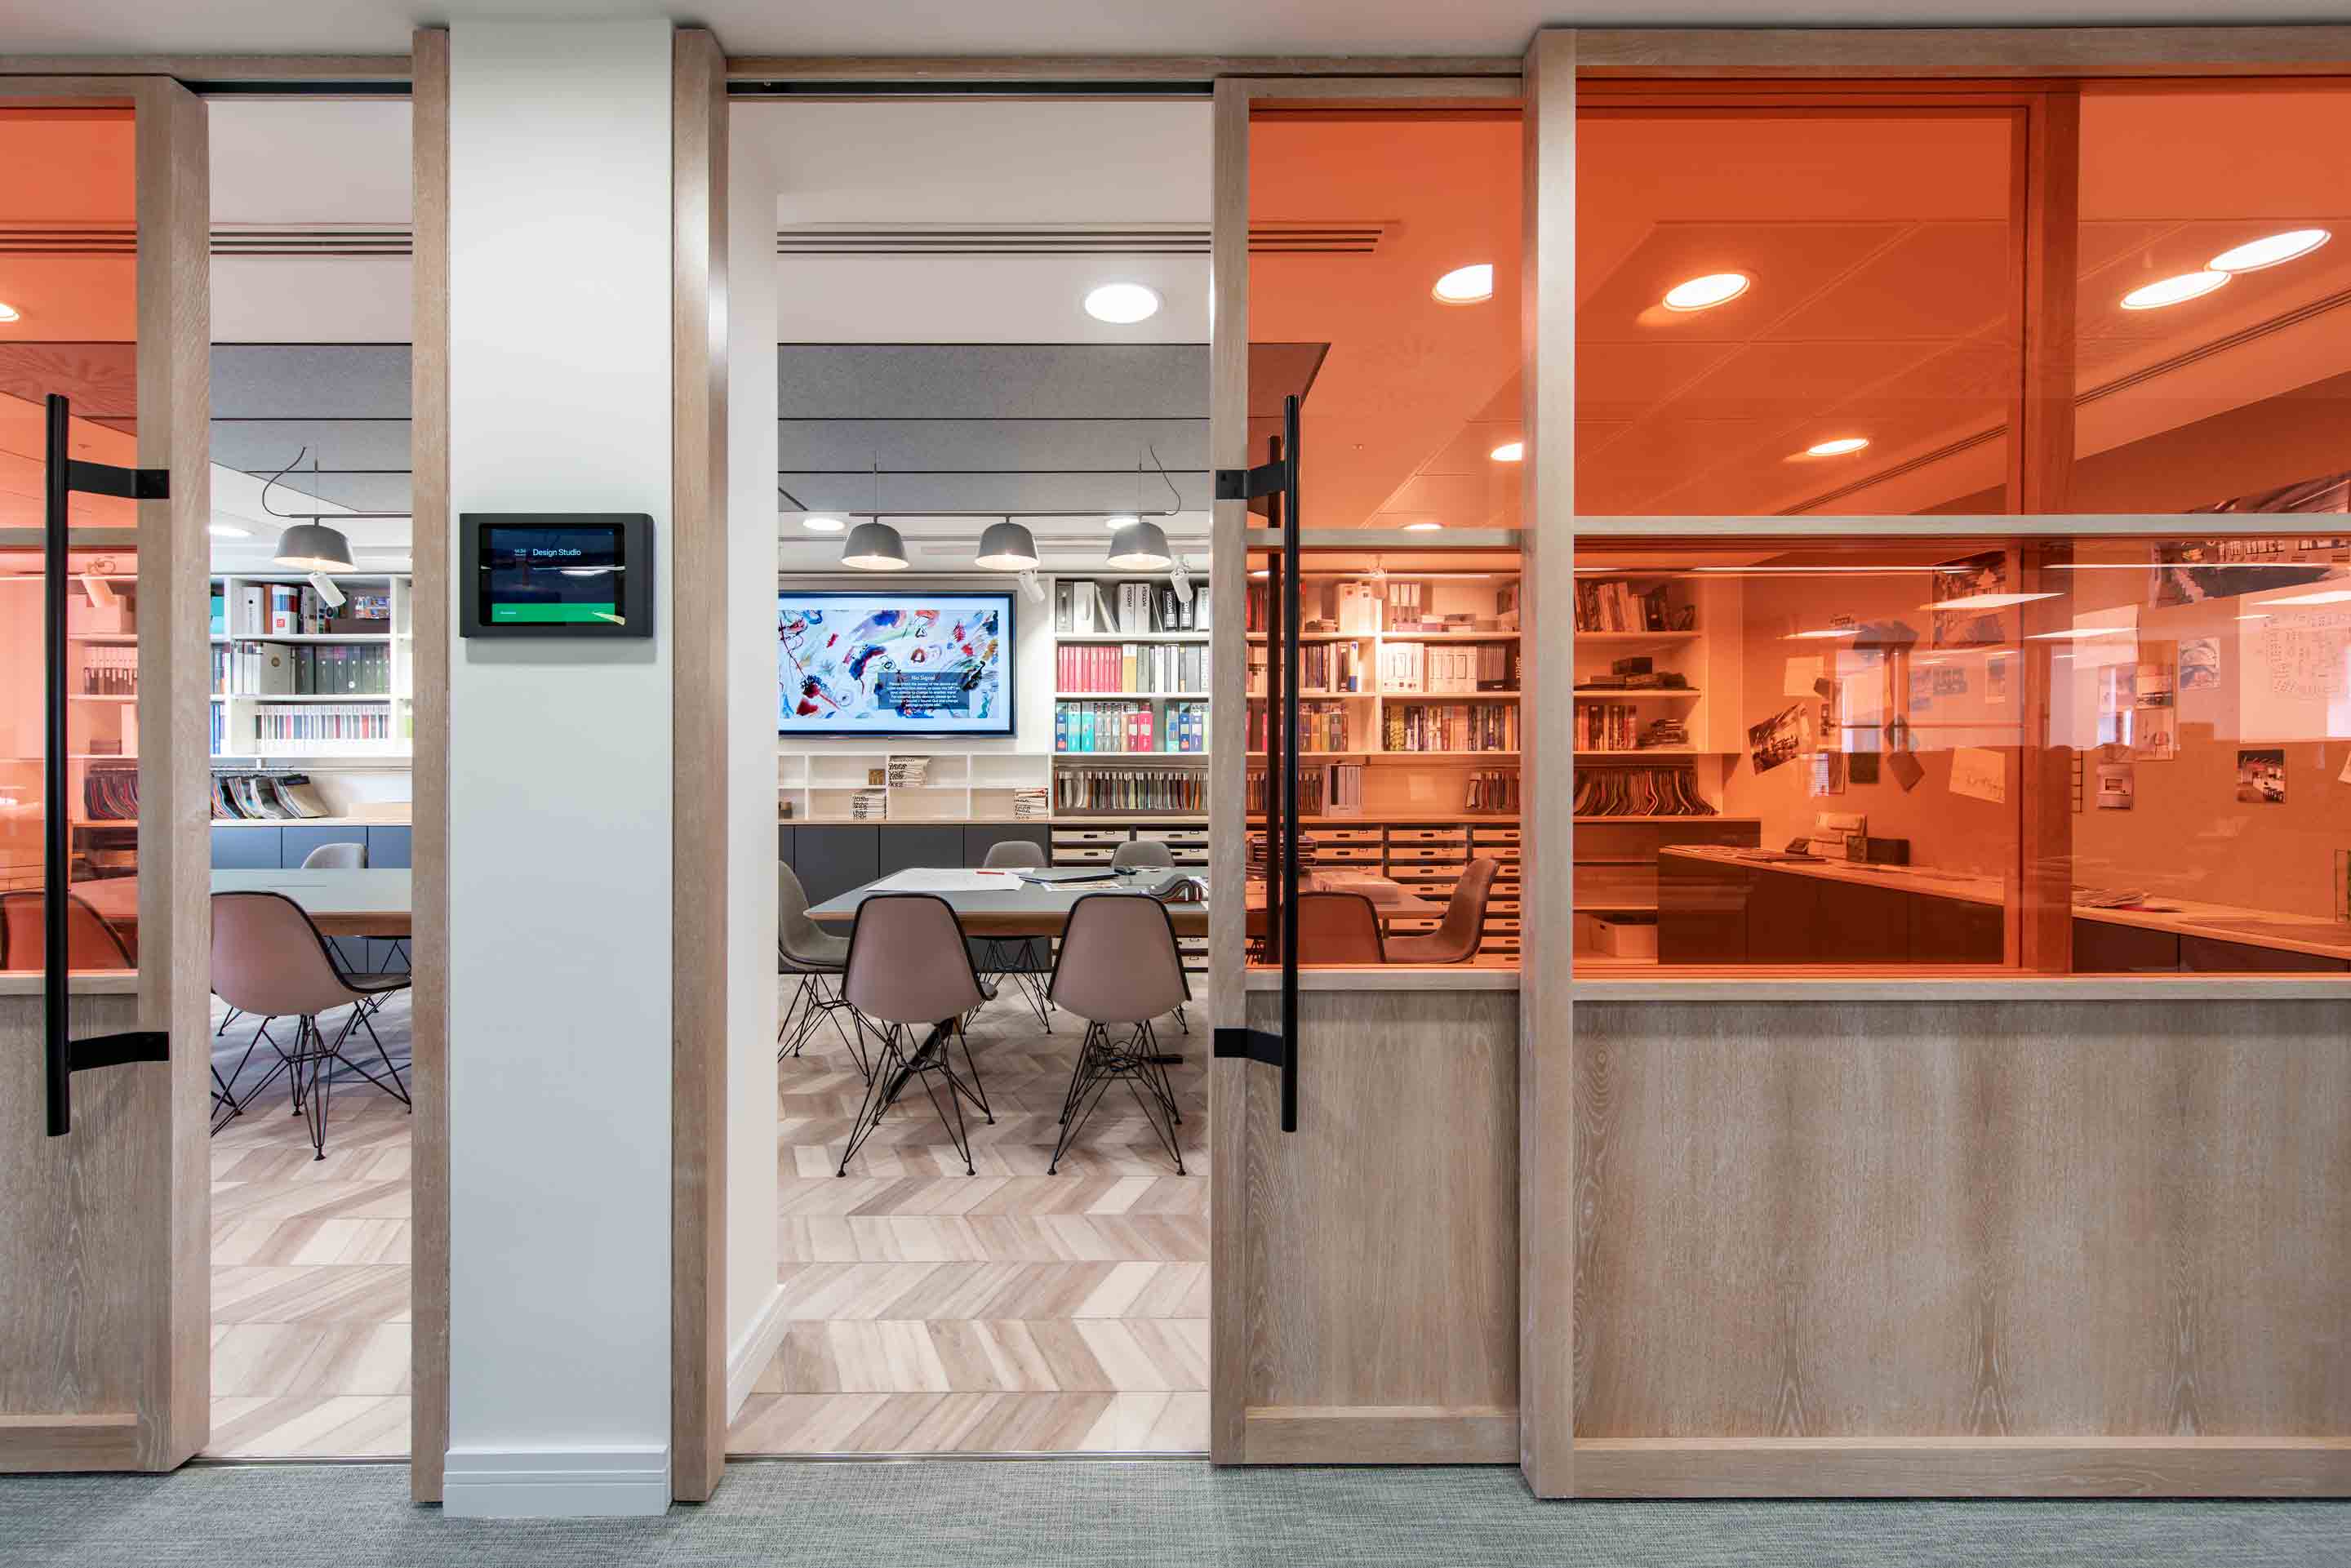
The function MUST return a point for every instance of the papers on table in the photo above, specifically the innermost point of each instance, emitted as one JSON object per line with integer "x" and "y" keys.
{"x": 944, "y": 878}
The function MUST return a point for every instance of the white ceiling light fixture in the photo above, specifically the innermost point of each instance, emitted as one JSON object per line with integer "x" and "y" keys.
{"x": 2074, "y": 634}
{"x": 1472, "y": 285}
{"x": 2268, "y": 251}
{"x": 228, "y": 531}
{"x": 875, "y": 547}
{"x": 1987, "y": 601}
{"x": 1007, "y": 547}
{"x": 1122, "y": 304}
{"x": 823, "y": 524}
{"x": 1826, "y": 631}
{"x": 1426, "y": 526}
{"x": 1142, "y": 547}
{"x": 1706, "y": 293}
{"x": 9, "y": 312}
{"x": 1841, "y": 446}
{"x": 1510, "y": 452}
{"x": 314, "y": 547}
{"x": 1125, "y": 522}
{"x": 2173, "y": 290}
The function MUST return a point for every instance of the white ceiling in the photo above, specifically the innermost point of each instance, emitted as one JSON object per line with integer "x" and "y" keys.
{"x": 1031, "y": 26}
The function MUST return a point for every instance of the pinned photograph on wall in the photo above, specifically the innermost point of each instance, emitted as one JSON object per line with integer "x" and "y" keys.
{"x": 1969, "y": 593}
{"x": 2260, "y": 777}
{"x": 1861, "y": 766}
{"x": 1995, "y": 680}
{"x": 1780, "y": 738}
{"x": 2154, "y": 737}
{"x": 2199, "y": 665}
{"x": 1922, "y": 689}
{"x": 1828, "y": 773}
{"x": 1980, "y": 773}
{"x": 2151, "y": 685}
{"x": 1950, "y": 680}
{"x": 2190, "y": 571}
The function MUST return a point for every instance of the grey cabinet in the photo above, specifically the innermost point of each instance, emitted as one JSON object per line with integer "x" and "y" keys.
{"x": 831, "y": 860}
{"x": 239, "y": 848}
{"x": 978, "y": 838}
{"x": 902, "y": 846}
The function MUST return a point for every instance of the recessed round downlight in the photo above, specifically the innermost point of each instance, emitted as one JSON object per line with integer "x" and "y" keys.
{"x": 1705, "y": 293}
{"x": 2268, "y": 251}
{"x": 9, "y": 312}
{"x": 823, "y": 524}
{"x": 1838, "y": 447}
{"x": 1114, "y": 524}
{"x": 1428, "y": 525}
{"x": 1510, "y": 452}
{"x": 1122, "y": 304}
{"x": 2173, "y": 290}
{"x": 1466, "y": 285}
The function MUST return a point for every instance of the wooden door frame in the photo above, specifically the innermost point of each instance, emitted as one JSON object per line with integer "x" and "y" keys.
{"x": 170, "y": 1387}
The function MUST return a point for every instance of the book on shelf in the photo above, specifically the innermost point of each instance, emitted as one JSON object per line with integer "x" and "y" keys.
{"x": 278, "y": 669}
{"x": 313, "y": 724}
{"x": 110, "y": 671}
{"x": 1085, "y": 608}
{"x": 1132, "y": 790}
{"x": 1450, "y": 726}
{"x": 870, "y": 806}
{"x": 1612, "y": 604}
{"x": 1404, "y": 667}
{"x": 265, "y": 797}
{"x": 1032, "y": 804}
{"x": 909, "y": 772}
{"x": 110, "y": 792}
{"x": 1493, "y": 789}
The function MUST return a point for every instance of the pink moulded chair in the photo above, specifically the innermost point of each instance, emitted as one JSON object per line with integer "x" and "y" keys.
{"x": 269, "y": 960}
{"x": 908, "y": 967}
{"x": 1118, "y": 969}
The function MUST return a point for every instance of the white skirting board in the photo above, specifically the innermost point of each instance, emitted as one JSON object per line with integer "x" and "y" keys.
{"x": 750, "y": 1355}
{"x": 557, "y": 1483}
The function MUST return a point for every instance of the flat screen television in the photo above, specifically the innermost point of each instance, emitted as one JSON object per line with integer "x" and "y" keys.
{"x": 902, "y": 663}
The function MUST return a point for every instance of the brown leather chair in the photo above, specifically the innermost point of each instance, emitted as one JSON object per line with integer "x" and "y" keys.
{"x": 1455, "y": 940}
{"x": 908, "y": 967}
{"x": 269, "y": 960}
{"x": 1119, "y": 968}
{"x": 1338, "y": 928}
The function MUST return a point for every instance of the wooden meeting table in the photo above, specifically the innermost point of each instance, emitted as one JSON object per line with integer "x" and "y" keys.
{"x": 1038, "y": 902}
{"x": 340, "y": 903}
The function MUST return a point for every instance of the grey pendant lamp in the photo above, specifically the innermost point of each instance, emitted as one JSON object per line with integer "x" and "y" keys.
{"x": 875, "y": 547}
{"x": 1007, "y": 547}
{"x": 1140, "y": 547}
{"x": 314, "y": 547}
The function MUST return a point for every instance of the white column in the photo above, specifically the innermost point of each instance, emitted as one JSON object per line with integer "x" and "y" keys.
{"x": 559, "y": 785}
{"x": 753, "y": 1295}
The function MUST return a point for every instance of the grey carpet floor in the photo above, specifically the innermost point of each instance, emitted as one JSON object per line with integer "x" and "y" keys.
{"x": 1146, "y": 1514}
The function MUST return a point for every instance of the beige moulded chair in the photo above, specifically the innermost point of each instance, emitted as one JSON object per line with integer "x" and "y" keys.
{"x": 269, "y": 960}
{"x": 1023, "y": 960}
{"x": 908, "y": 968}
{"x": 808, "y": 950}
{"x": 1455, "y": 940}
{"x": 1119, "y": 969}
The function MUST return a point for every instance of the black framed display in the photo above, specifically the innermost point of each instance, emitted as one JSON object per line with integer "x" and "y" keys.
{"x": 555, "y": 574}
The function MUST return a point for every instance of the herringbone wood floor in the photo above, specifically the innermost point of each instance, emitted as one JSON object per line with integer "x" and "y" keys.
{"x": 929, "y": 1312}
{"x": 1006, "y": 1311}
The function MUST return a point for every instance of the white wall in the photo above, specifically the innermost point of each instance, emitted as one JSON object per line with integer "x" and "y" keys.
{"x": 559, "y": 785}
{"x": 752, "y": 1291}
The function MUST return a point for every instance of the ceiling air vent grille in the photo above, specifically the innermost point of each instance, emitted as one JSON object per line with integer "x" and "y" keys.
{"x": 1056, "y": 239}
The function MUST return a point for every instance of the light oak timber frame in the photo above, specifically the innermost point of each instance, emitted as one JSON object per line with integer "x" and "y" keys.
{"x": 1365, "y": 1268}
{"x": 1968, "y": 1234}
{"x": 105, "y": 1298}
{"x": 429, "y": 771}
{"x": 699, "y": 748}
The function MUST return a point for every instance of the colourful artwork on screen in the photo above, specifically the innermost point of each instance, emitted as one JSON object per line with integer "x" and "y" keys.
{"x": 894, "y": 663}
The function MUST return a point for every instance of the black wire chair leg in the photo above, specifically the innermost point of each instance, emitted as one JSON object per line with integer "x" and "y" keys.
{"x": 957, "y": 1133}
{"x": 1098, "y": 1084}
{"x": 317, "y": 1098}
{"x": 878, "y": 1088}
{"x": 978, "y": 1091}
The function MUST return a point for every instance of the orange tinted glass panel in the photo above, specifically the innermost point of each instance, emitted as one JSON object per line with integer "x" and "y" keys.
{"x": 2222, "y": 216}
{"x": 1754, "y": 284}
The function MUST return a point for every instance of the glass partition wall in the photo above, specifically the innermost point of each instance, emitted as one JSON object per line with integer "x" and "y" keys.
{"x": 1384, "y": 300}
{"x": 1995, "y": 650}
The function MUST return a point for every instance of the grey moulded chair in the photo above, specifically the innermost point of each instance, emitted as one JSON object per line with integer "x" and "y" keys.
{"x": 1119, "y": 969}
{"x": 908, "y": 968}
{"x": 808, "y": 950}
{"x": 1022, "y": 960}
{"x": 269, "y": 960}
{"x": 1142, "y": 852}
{"x": 1455, "y": 940}
{"x": 336, "y": 857}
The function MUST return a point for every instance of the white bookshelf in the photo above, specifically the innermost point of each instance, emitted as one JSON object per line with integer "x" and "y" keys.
{"x": 822, "y": 785}
{"x": 1158, "y": 696}
{"x": 241, "y": 711}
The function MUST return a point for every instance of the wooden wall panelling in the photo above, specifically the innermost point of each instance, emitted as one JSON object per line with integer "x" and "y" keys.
{"x": 174, "y": 269}
{"x": 699, "y": 833}
{"x": 1381, "y": 1263}
{"x": 1229, "y": 1078}
{"x": 1547, "y": 848}
{"x": 1891, "y": 1223}
{"x": 429, "y": 1074}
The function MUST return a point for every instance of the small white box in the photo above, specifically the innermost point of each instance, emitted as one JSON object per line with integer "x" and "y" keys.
{"x": 1623, "y": 939}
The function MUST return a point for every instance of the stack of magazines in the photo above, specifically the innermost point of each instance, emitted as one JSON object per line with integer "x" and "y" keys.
{"x": 1639, "y": 792}
{"x": 264, "y": 796}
